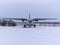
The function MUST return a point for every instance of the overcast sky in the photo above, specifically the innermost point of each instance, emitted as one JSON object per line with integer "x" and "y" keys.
{"x": 37, "y": 8}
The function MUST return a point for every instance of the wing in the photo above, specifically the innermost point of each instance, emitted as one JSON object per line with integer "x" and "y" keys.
{"x": 22, "y": 19}
{"x": 37, "y": 19}
{"x": 47, "y": 23}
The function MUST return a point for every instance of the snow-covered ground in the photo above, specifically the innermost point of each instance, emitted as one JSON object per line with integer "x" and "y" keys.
{"x": 29, "y": 36}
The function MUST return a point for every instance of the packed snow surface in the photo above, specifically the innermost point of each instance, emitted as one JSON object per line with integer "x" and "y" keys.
{"x": 29, "y": 36}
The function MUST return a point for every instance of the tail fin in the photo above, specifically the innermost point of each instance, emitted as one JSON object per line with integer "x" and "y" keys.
{"x": 29, "y": 15}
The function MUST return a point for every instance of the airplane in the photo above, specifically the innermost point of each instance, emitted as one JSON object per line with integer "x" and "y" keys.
{"x": 29, "y": 22}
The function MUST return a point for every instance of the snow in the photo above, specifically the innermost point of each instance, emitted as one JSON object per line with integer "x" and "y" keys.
{"x": 29, "y": 36}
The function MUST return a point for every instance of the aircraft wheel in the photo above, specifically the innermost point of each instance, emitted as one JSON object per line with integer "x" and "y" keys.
{"x": 24, "y": 26}
{"x": 13, "y": 24}
{"x": 34, "y": 25}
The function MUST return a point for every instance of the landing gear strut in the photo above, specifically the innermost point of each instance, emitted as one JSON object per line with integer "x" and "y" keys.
{"x": 30, "y": 25}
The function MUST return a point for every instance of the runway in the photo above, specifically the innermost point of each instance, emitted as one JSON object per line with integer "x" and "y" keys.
{"x": 29, "y": 36}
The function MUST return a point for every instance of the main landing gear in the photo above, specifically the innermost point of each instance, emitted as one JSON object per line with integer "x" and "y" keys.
{"x": 28, "y": 26}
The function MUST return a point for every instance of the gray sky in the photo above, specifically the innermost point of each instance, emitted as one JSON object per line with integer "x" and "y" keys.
{"x": 37, "y": 8}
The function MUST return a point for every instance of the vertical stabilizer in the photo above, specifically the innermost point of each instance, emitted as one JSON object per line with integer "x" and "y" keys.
{"x": 29, "y": 15}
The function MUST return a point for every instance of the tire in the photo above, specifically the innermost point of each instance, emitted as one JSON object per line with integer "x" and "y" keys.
{"x": 34, "y": 25}
{"x": 24, "y": 26}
